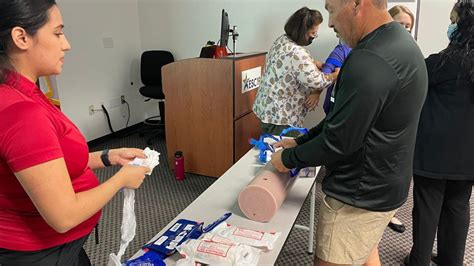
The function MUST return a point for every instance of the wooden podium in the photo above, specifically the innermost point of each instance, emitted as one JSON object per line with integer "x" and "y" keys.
{"x": 208, "y": 111}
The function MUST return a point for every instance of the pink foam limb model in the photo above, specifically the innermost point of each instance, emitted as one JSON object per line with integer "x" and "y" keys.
{"x": 260, "y": 200}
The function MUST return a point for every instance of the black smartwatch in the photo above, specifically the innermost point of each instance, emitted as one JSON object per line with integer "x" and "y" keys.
{"x": 104, "y": 156}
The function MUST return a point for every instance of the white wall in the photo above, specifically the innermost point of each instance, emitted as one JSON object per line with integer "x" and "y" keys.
{"x": 184, "y": 26}
{"x": 433, "y": 25}
{"x": 93, "y": 74}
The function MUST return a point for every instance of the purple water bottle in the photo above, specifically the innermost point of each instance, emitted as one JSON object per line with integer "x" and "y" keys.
{"x": 179, "y": 165}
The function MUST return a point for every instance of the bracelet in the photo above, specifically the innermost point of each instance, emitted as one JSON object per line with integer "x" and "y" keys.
{"x": 104, "y": 156}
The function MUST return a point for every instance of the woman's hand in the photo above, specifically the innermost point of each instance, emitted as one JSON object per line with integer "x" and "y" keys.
{"x": 132, "y": 176}
{"x": 335, "y": 74}
{"x": 312, "y": 101}
{"x": 285, "y": 143}
{"x": 123, "y": 156}
{"x": 318, "y": 64}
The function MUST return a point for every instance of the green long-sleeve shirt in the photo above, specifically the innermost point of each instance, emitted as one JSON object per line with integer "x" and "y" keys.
{"x": 367, "y": 140}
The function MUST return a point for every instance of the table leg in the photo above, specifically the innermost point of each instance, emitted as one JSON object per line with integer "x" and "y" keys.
{"x": 312, "y": 214}
{"x": 311, "y": 218}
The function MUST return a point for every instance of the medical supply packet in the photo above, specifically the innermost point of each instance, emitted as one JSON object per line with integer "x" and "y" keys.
{"x": 149, "y": 258}
{"x": 246, "y": 236}
{"x": 217, "y": 253}
{"x": 181, "y": 231}
{"x": 175, "y": 235}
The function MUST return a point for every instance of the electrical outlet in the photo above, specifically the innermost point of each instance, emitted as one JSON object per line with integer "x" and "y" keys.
{"x": 91, "y": 109}
{"x": 122, "y": 99}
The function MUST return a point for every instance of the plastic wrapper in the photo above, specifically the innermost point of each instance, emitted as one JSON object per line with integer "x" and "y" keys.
{"x": 244, "y": 236}
{"x": 218, "y": 253}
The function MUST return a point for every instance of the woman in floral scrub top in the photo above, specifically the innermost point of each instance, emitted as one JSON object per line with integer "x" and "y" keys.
{"x": 292, "y": 82}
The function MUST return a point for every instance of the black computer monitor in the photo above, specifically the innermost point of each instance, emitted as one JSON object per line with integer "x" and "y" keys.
{"x": 224, "y": 29}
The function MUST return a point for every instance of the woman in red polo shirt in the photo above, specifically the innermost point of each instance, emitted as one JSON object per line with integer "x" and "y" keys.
{"x": 50, "y": 200}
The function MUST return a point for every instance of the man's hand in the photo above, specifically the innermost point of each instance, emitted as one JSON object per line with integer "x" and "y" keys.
{"x": 277, "y": 162}
{"x": 123, "y": 156}
{"x": 285, "y": 143}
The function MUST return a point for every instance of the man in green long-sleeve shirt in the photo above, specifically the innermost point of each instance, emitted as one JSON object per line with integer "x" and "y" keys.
{"x": 367, "y": 140}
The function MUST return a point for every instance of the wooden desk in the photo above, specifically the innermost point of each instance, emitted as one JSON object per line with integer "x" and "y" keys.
{"x": 221, "y": 197}
{"x": 208, "y": 116}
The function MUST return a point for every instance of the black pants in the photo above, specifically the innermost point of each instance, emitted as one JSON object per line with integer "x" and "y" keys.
{"x": 69, "y": 254}
{"x": 443, "y": 206}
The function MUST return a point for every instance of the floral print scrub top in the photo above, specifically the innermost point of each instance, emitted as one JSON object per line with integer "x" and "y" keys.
{"x": 290, "y": 76}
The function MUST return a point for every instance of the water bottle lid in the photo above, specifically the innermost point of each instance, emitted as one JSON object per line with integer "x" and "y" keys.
{"x": 178, "y": 154}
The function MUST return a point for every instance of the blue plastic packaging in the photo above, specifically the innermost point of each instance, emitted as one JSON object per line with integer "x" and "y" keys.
{"x": 150, "y": 258}
{"x": 178, "y": 233}
{"x": 302, "y": 130}
{"x": 181, "y": 231}
{"x": 214, "y": 224}
{"x": 264, "y": 147}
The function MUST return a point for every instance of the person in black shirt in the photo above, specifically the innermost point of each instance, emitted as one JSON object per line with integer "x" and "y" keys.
{"x": 443, "y": 165}
{"x": 367, "y": 140}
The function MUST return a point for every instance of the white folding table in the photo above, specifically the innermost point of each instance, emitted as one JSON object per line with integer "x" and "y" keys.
{"x": 221, "y": 197}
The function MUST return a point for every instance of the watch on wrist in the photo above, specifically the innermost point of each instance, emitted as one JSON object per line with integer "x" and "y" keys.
{"x": 104, "y": 156}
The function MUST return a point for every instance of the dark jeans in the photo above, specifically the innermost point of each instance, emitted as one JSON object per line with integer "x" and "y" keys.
{"x": 442, "y": 206}
{"x": 69, "y": 254}
{"x": 277, "y": 129}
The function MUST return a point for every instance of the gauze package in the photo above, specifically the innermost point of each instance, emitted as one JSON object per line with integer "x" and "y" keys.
{"x": 245, "y": 236}
{"x": 129, "y": 222}
{"x": 215, "y": 253}
{"x": 152, "y": 159}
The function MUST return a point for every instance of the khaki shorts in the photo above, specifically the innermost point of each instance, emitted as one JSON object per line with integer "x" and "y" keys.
{"x": 347, "y": 234}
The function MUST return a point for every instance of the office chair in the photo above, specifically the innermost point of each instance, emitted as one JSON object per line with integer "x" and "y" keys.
{"x": 151, "y": 63}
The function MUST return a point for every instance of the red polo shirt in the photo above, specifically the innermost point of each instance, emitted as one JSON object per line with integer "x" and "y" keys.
{"x": 33, "y": 131}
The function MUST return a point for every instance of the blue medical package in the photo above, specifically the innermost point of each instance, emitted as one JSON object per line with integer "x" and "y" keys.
{"x": 181, "y": 231}
{"x": 150, "y": 258}
{"x": 178, "y": 233}
{"x": 217, "y": 222}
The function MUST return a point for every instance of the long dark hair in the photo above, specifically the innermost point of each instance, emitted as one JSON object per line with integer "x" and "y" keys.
{"x": 31, "y": 15}
{"x": 300, "y": 22}
{"x": 462, "y": 41}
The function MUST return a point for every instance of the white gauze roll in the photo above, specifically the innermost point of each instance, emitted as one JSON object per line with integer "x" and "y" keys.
{"x": 260, "y": 200}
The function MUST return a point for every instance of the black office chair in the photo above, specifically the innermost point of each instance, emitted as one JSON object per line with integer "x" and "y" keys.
{"x": 151, "y": 63}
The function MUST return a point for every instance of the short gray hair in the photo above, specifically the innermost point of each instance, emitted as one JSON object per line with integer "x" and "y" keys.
{"x": 382, "y": 4}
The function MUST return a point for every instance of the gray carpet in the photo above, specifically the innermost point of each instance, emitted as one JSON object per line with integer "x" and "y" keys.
{"x": 161, "y": 198}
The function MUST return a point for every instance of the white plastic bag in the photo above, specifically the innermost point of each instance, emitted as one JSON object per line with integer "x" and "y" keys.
{"x": 129, "y": 223}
